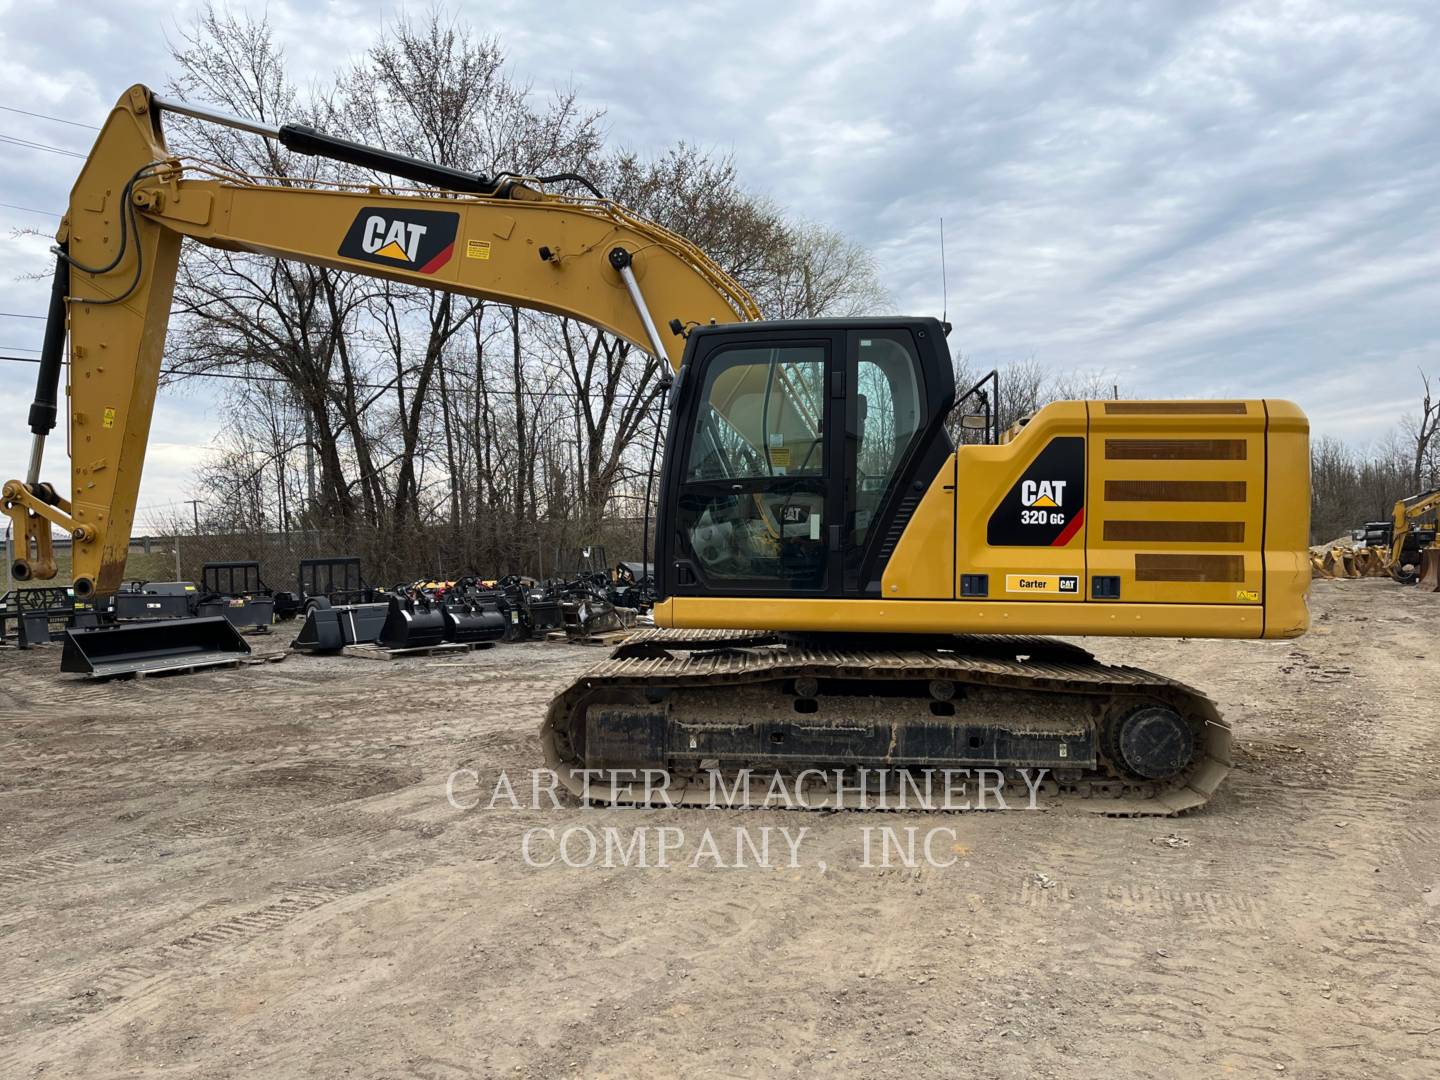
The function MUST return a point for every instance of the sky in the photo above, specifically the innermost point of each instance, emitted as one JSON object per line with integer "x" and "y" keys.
{"x": 1196, "y": 198}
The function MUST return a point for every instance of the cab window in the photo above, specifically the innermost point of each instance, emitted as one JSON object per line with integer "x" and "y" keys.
{"x": 761, "y": 415}
{"x": 885, "y": 417}
{"x": 752, "y": 502}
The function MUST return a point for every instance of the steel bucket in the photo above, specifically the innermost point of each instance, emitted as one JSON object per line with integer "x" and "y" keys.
{"x": 330, "y": 629}
{"x": 412, "y": 624}
{"x": 472, "y": 622}
{"x": 1430, "y": 570}
{"x": 149, "y": 647}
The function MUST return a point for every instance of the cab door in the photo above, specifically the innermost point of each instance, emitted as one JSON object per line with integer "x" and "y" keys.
{"x": 884, "y": 462}
{"x": 757, "y": 495}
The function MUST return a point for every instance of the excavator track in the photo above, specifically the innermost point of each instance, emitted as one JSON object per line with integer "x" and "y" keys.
{"x": 670, "y": 711}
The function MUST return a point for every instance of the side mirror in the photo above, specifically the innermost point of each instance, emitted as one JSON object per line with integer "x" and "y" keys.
{"x": 975, "y": 422}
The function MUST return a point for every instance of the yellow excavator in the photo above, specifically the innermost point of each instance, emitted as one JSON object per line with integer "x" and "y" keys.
{"x": 1413, "y": 555}
{"x": 847, "y": 598}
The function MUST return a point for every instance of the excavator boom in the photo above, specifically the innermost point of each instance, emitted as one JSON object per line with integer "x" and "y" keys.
{"x": 118, "y": 253}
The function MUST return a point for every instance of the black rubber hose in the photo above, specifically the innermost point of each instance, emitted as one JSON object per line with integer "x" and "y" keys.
{"x": 649, "y": 487}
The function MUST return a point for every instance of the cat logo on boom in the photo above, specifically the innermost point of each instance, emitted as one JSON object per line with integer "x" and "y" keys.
{"x": 421, "y": 241}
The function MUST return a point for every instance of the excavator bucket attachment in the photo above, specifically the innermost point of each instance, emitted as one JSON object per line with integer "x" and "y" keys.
{"x": 412, "y": 624}
{"x": 145, "y": 648}
{"x": 1430, "y": 570}
{"x": 330, "y": 629}
{"x": 1347, "y": 563}
{"x": 470, "y": 623}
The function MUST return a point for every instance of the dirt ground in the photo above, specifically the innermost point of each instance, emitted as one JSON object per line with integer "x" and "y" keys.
{"x": 257, "y": 872}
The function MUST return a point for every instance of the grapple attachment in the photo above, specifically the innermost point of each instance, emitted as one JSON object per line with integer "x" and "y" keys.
{"x": 589, "y": 616}
{"x": 412, "y": 624}
{"x": 148, "y": 647}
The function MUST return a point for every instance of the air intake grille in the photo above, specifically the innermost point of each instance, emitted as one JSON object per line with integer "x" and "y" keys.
{"x": 1176, "y": 408}
{"x": 1175, "y": 490}
{"x": 1193, "y": 532}
{"x": 1175, "y": 449}
{"x": 1189, "y": 568}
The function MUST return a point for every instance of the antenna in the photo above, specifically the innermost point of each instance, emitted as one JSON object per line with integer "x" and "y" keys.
{"x": 944, "y": 284}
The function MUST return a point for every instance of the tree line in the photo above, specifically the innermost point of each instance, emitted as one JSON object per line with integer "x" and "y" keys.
{"x": 1350, "y": 486}
{"x": 411, "y": 419}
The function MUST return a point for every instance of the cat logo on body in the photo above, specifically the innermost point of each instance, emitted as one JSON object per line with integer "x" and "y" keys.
{"x": 1042, "y": 500}
{"x": 402, "y": 238}
{"x": 1045, "y": 506}
{"x": 1042, "y": 493}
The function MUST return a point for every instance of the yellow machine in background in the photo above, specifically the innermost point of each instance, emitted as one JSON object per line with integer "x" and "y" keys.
{"x": 1403, "y": 548}
{"x": 811, "y": 492}
{"x": 1413, "y": 557}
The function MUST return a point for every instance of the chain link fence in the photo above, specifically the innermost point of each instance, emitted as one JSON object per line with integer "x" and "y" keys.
{"x": 438, "y": 553}
{"x": 537, "y": 549}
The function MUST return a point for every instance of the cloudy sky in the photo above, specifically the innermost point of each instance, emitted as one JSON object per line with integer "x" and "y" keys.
{"x": 1200, "y": 198}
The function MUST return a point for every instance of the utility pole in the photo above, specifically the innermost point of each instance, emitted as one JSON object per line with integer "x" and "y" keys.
{"x": 195, "y": 507}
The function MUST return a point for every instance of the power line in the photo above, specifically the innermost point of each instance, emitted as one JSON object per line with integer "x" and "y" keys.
{"x": 17, "y": 315}
{"x": 29, "y": 209}
{"x": 42, "y": 116}
{"x": 565, "y": 394}
{"x": 39, "y": 146}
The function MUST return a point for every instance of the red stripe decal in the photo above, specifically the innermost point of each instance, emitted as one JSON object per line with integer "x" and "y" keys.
{"x": 439, "y": 260}
{"x": 1070, "y": 530}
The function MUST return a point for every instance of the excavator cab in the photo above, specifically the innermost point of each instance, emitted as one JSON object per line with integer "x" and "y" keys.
{"x": 797, "y": 452}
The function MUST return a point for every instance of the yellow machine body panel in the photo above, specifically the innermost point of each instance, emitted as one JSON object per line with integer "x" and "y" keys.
{"x": 1176, "y": 500}
{"x": 1113, "y": 518}
{"x": 1032, "y": 573}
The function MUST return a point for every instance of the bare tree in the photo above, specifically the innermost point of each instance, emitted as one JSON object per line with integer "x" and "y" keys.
{"x": 818, "y": 272}
{"x": 1421, "y": 430}
{"x": 436, "y": 425}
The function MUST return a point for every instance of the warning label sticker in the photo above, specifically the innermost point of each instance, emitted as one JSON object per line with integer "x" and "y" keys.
{"x": 1042, "y": 583}
{"x": 477, "y": 249}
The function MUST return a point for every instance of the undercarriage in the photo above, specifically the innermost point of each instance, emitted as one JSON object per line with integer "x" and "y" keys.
{"x": 724, "y": 718}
